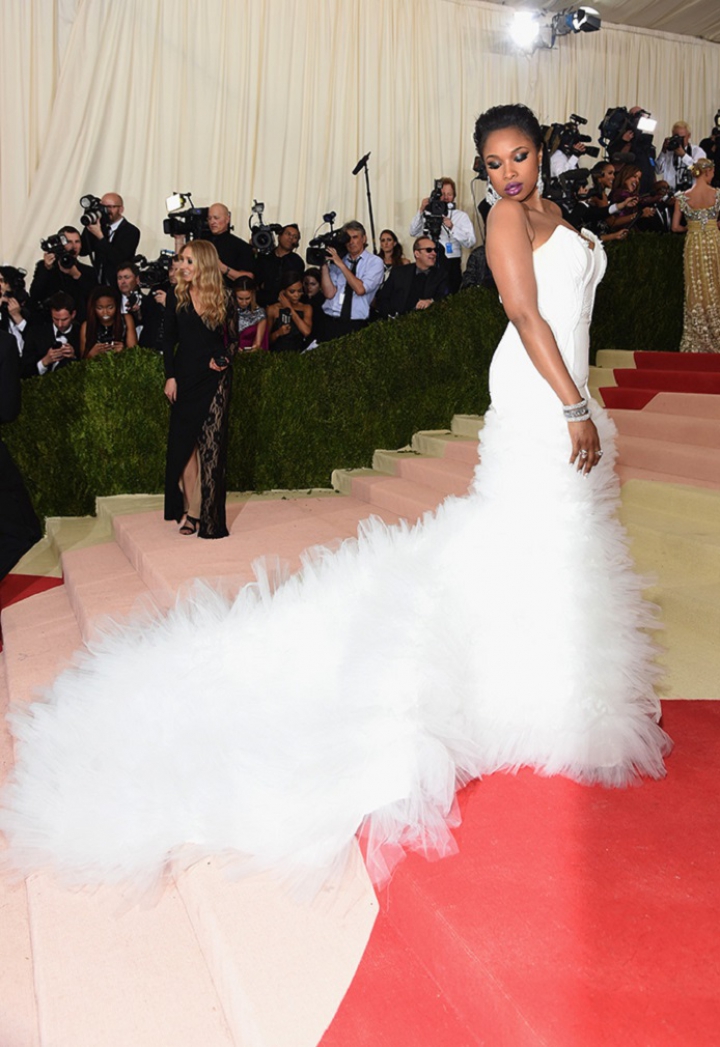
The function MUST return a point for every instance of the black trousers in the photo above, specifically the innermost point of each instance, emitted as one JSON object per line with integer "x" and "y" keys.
{"x": 19, "y": 526}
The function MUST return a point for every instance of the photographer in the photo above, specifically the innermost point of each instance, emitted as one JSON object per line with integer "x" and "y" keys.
{"x": 628, "y": 144}
{"x": 54, "y": 343}
{"x": 711, "y": 145}
{"x": 456, "y": 231}
{"x": 143, "y": 308}
{"x": 110, "y": 239}
{"x": 236, "y": 256}
{"x": 677, "y": 157}
{"x": 412, "y": 287}
{"x": 59, "y": 271}
{"x": 349, "y": 284}
{"x": 272, "y": 267}
{"x": 14, "y": 303}
{"x": 19, "y": 526}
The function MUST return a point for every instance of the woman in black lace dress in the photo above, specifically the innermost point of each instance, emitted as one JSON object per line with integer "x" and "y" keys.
{"x": 198, "y": 342}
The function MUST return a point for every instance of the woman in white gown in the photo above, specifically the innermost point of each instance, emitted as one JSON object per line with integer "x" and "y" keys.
{"x": 506, "y": 629}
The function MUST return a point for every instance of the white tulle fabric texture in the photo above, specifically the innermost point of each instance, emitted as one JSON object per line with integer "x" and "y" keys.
{"x": 505, "y": 629}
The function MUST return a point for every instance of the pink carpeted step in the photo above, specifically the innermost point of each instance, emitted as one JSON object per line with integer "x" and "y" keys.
{"x": 461, "y": 451}
{"x": 695, "y": 405}
{"x": 284, "y": 966}
{"x": 404, "y": 497}
{"x": 446, "y": 475}
{"x": 100, "y": 581}
{"x": 677, "y": 361}
{"x": 167, "y": 561}
{"x": 697, "y": 463}
{"x": 633, "y": 472}
{"x": 669, "y": 381}
{"x": 41, "y": 634}
{"x": 106, "y": 974}
{"x": 680, "y": 429}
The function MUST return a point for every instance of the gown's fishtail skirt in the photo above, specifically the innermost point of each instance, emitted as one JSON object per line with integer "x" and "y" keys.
{"x": 504, "y": 630}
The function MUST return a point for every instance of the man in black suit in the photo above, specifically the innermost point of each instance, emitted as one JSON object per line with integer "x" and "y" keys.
{"x": 54, "y": 343}
{"x": 50, "y": 276}
{"x": 110, "y": 241}
{"x": 236, "y": 255}
{"x": 412, "y": 287}
{"x": 19, "y": 526}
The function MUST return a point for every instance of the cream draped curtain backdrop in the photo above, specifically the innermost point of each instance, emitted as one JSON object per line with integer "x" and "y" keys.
{"x": 278, "y": 99}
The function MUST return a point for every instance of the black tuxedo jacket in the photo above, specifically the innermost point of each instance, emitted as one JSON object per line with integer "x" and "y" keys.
{"x": 46, "y": 282}
{"x": 394, "y": 297}
{"x": 107, "y": 254}
{"x": 38, "y": 338}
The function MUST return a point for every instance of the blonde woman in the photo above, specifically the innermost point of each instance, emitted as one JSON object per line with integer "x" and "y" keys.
{"x": 198, "y": 342}
{"x": 701, "y": 208}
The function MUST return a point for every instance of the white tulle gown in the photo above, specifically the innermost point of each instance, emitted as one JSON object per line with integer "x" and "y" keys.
{"x": 505, "y": 629}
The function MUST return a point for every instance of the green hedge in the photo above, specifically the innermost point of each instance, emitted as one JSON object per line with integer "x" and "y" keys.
{"x": 100, "y": 428}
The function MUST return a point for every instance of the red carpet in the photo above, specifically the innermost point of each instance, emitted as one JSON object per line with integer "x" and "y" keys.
{"x": 669, "y": 381}
{"x": 628, "y": 399}
{"x": 677, "y": 361}
{"x": 572, "y": 917}
{"x": 16, "y": 587}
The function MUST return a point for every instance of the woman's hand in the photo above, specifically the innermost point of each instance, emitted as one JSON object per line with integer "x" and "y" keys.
{"x": 214, "y": 366}
{"x": 586, "y": 451}
{"x": 283, "y": 329}
{"x": 100, "y": 347}
{"x": 117, "y": 347}
{"x": 630, "y": 201}
{"x": 171, "y": 390}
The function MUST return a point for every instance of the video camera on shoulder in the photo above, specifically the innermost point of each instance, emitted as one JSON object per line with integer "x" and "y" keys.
{"x": 184, "y": 219}
{"x": 94, "y": 210}
{"x": 262, "y": 236}
{"x": 619, "y": 120}
{"x": 567, "y": 137}
{"x": 57, "y": 245}
{"x": 317, "y": 248}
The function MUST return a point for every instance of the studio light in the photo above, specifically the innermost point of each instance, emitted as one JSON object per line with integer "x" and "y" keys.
{"x": 525, "y": 28}
{"x": 586, "y": 20}
{"x": 529, "y": 31}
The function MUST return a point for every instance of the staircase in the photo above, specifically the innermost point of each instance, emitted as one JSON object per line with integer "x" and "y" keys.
{"x": 240, "y": 963}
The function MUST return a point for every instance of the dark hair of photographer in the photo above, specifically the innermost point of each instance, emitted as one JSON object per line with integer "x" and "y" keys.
{"x": 106, "y": 328}
{"x": 290, "y": 319}
{"x": 391, "y": 250}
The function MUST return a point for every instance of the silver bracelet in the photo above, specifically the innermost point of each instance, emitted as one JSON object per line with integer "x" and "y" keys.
{"x": 576, "y": 412}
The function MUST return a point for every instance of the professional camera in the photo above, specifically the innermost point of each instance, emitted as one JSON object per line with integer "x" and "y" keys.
{"x": 618, "y": 120}
{"x": 56, "y": 245}
{"x": 154, "y": 273}
{"x": 569, "y": 188}
{"x": 673, "y": 143}
{"x": 567, "y": 136}
{"x": 262, "y": 237}
{"x": 94, "y": 210}
{"x": 316, "y": 253}
{"x": 436, "y": 210}
{"x": 184, "y": 219}
{"x": 15, "y": 279}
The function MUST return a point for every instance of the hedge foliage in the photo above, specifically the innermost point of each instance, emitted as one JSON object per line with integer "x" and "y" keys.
{"x": 100, "y": 428}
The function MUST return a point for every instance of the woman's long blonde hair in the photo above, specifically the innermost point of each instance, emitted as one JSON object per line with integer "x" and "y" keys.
{"x": 207, "y": 281}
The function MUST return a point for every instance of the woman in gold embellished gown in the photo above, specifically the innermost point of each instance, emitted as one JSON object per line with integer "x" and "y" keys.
{"x": 701, "y": 207}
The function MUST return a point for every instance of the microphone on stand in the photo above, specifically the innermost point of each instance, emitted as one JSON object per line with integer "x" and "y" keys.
{"x": 361, "y": 163}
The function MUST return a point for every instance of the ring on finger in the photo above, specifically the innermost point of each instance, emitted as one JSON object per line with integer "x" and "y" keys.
{"x": 583, "y": 454}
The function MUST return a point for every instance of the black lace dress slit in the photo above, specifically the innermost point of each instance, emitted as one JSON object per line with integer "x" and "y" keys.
{"x": 199, "y": 416}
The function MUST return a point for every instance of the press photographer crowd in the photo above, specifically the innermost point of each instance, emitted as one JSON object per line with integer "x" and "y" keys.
{"x": 91, "y": 291}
